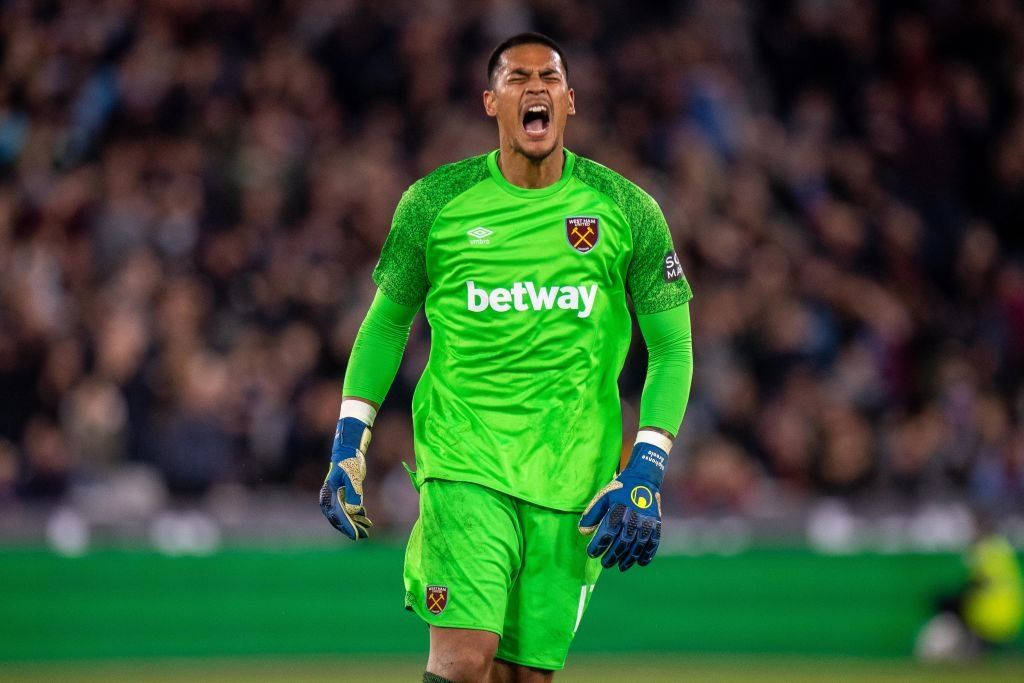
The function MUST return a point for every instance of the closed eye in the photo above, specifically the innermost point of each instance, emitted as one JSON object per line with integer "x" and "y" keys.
{"x": 521, "y": 75}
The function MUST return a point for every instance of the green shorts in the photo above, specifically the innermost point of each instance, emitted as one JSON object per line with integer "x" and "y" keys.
{"x": 485, "y": 560}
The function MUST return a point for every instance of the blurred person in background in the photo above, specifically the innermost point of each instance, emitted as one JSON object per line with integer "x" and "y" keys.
{"x": 988, "y": 612}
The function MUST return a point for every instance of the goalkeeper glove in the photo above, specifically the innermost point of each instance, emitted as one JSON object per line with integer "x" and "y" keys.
{"x": 341, "y": 497}
{"x": 627, "y": 512}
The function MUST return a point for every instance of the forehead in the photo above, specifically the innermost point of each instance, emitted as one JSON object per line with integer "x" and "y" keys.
{"x": 532, "y": 56}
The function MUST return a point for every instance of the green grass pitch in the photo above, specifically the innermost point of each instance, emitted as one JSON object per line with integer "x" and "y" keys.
{"x": 582, "y": 668}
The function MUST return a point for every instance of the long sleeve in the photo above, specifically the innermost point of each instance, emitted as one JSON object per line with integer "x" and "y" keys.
{"x": 669, "y": 367}
{"x": 378, "y": 348}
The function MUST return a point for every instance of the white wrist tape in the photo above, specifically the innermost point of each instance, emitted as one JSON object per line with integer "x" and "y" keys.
{"x": 655, "y": 439}
{"x": 360, "y": 410}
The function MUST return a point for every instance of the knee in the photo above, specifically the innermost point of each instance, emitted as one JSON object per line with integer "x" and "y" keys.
{"x": 464, "y": 664}
{"x": 467, "y": 661}
{"x": 503, "y": 670}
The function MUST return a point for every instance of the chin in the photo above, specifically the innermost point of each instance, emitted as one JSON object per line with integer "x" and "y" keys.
{"x": 536, "y": 150}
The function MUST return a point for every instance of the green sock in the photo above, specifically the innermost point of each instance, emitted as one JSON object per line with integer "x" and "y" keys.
{"x": 434, "y": 678}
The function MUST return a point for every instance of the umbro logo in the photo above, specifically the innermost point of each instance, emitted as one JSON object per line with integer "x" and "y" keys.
{"x": 479, "y": 235}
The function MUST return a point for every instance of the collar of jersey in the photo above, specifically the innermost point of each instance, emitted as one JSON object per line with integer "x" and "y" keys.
{"x": 492, "y": 165}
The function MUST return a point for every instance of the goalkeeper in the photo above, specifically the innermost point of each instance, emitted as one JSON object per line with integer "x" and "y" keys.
{"x": 523, "y": 260}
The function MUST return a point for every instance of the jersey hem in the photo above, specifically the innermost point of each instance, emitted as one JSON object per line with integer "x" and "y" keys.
{"x": 384, "y": 285}
{"x": 508, "y": 491}
{"x": 688, "y": 298}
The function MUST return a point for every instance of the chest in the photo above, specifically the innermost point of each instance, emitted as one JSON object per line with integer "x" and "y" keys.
{"x": 572, "y": 240}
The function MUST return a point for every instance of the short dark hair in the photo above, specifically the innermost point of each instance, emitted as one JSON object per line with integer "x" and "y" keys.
{"x": 526, "y": 38}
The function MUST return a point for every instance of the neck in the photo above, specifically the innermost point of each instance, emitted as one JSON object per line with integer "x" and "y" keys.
{"x": 524, "y": 172}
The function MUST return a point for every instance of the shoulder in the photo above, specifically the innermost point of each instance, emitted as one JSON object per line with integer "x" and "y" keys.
{"x": 638, "y": 206}
{"x": 423, "y": 201}
{"x": 431, "y": 192}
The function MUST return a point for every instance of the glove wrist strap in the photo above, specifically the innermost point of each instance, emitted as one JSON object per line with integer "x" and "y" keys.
{"x": 360, "y": 410}
{"x": 655, "y": 439}
{"x": 648, "y": 461}
{"x": 354, "y": 424}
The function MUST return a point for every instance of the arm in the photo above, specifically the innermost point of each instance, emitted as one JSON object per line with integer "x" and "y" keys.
{"x": 669, "y": 369}
{"x": 660, "y": 294}
{"x": 626, "y": 514}
{"x": 376, "y": 354}
{"x": 403, "y": 283}
{"x": 628, "y": 527}
{"x": 372, "y": 366}
{"x": 377, "y": 351}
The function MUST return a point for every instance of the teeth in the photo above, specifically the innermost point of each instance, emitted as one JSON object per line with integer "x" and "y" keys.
{"x": 538, "y": 108}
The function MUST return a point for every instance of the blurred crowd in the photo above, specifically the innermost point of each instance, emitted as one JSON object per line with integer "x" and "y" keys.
{"x": 193, "y": 195}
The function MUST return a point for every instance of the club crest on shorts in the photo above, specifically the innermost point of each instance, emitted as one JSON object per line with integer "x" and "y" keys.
{"x": 437, "y": 599}
{"x": 582, "y": 232}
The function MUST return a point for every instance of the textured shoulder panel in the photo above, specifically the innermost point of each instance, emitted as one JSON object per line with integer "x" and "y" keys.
{"x": 638, "y": 206}
{"x": 433, "y": 191}
{"x": 652, "y": 279}
{"x": 401, "y": 272}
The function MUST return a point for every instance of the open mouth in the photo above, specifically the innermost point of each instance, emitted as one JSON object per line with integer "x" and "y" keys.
{"x": 536, "y": 119}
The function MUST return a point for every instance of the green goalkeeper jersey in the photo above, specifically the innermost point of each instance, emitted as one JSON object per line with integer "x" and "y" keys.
{"x": 525, "y": 294}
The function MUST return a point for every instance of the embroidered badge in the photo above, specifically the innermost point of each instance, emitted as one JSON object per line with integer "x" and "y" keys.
{"x": 437, "y": 599}
{"x": 582, "y": 232}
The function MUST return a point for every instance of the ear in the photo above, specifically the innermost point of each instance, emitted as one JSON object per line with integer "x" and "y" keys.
{"x": 572, "y": 102}
{"x": 490, "y": 103}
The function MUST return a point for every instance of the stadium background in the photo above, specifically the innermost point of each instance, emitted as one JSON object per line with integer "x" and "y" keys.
{"x": 192, "y": 196}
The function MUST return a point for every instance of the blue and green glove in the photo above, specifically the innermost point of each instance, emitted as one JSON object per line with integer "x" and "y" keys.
{"x": 626, "y": 514}
{"x": 341, "y": 496}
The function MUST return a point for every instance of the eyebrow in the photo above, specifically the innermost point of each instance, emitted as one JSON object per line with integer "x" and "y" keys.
{"x": 546, "y": 71}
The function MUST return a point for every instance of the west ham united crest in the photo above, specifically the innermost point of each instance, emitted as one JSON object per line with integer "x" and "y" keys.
{"x": 437, "y": 599}
{"x": 582, "y": 232}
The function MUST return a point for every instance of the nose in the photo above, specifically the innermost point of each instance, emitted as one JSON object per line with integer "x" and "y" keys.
{"x": 535, "y": 85}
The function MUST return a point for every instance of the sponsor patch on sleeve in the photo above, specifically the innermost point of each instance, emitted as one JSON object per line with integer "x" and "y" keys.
{"x": 673, "y": 269}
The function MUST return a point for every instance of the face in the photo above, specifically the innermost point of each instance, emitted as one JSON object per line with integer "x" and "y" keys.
{"x": 530, "y": 100}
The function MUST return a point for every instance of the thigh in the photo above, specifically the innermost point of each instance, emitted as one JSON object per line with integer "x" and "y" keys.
{"x": 552, "y": 591}
{"x": 463, "y": 556}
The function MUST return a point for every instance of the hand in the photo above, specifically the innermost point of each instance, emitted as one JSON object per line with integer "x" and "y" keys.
{"x": 341, "y": 497}
{"x": 627, "y": 512}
